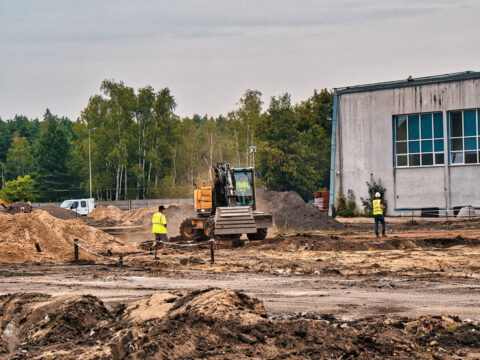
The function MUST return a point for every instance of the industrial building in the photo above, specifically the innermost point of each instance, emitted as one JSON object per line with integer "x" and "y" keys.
{"x": 420, "y": 136}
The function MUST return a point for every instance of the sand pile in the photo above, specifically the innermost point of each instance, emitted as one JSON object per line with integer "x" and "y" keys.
{"x": 112, "y": 216}
{"x": 291, "y": 212}
{"x": 20, "y": 232}
{"x": 106, "y": 212}
{"x": 216, "y": 324}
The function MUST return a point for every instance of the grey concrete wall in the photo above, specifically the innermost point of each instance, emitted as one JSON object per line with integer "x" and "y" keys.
{"x": 131, "y": 204}
{"x": 465, "y": 185}
{"x": 408, "y": 195}
{"x": 365, "y": 145}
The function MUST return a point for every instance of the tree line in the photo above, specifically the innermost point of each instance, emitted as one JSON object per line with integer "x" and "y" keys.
{"x": 140, "y": 147}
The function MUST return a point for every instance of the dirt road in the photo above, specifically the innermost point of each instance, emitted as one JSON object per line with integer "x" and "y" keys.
{"x": 347, "y": 298}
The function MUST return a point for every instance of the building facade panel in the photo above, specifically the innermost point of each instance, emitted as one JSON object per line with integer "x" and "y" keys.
{"x": 402, "y": 135}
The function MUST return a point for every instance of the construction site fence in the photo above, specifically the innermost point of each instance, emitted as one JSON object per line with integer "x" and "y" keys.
{"x": 447, "y": 214}
{"x": 130, "y": 204}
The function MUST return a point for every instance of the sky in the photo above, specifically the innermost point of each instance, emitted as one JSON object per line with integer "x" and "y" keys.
{"x": 55, "y": 53}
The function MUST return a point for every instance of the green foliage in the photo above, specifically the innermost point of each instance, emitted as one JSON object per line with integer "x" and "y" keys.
{"x": 19, "y": 158}
{"x": 141, "y": 149}
{"x": 294, "y": 147}
{"x": 373, "y": 187}
{"x": 347, "y": 206}
{"x": 52, "y": 150}
{"x": 21, "y": 189}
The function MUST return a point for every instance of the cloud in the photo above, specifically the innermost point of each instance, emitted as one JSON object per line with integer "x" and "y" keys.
{"x": 88, "y": 21}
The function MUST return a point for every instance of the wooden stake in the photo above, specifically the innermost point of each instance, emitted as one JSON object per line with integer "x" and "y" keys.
{"x": 75, "y": 249}
{"x": 212, "y": 250}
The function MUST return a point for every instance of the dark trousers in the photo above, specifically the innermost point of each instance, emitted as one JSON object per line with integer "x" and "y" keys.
{"x": 379, "y": 218}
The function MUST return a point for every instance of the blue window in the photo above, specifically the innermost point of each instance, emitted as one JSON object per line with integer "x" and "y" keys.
{"x": 413, "y": 128}
{"x": 438, "y": 125}
{"x": 419, "y": 139}
{"x": 427, "y": 126}
{"x": 464, "y": 134}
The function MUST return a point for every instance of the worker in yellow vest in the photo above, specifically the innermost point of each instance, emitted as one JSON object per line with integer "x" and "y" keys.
{"x": 378, "y": 208}
{"x": 159, "y": 228}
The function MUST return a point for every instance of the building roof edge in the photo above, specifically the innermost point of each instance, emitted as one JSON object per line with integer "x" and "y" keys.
{"x": 410, "y": 81}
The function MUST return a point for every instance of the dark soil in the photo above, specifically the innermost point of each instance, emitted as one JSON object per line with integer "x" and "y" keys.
{"x": 216, "y": 324}
{"x": 290, "y": 211}
{"x": 340, "y": 243}
{"x": 59, "y": 212}
{"x": 16, "y": 208}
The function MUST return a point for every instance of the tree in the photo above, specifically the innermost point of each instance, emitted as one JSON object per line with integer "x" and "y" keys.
{"x": 19, "y": 158}
{"x": 52, "y": 151}
{"x": 294, "y": 147}
{"x": 5, "y": 139}
{"x": 21, "y": 189}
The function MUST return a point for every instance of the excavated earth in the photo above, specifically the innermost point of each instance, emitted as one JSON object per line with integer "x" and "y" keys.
{"x": 215, "y": 324}
{"x": 337, "y": 293}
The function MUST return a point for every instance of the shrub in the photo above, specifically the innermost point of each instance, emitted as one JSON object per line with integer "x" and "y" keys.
{"x": 347, "y": 206}
{"x": 373, "y": 187}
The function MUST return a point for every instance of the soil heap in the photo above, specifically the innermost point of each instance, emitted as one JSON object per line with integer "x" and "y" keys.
{"x": 291, "y": 212}
{"x": 16, "y": 207}
{"x": 21, "y": 232}
{"x": 59, "y": 212}
{"x": 217, "y": 324}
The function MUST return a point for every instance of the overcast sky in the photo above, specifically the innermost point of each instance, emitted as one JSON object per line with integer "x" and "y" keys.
{"x": 55, "y": 53}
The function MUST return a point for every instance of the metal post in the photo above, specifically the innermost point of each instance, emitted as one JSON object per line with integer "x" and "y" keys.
{"x": 90, "y": 162}
{"x": 212, "y": 251}
{"x": 75, "y": 249}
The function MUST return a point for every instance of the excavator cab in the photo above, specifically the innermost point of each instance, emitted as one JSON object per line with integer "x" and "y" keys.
{"x": 244, "y": 185}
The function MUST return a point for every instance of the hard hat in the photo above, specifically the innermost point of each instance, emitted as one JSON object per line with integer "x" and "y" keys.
{"x": 377, "y": 194}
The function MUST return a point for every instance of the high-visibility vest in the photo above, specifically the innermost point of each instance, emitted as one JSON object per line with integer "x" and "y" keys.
{"x": 377, "y": 207}
{"x": 158, "y": 223}
{"x": 243, "y": 187}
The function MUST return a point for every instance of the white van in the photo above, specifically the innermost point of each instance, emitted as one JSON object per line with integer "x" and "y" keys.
{"x": 80, "y": 206}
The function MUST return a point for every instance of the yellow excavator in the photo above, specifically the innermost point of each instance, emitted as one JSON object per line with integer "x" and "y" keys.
{"x": 4, "y": 205}
{"x": 226, "y": 208}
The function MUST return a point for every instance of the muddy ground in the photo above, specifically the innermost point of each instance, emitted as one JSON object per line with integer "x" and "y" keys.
{"x": 336, "y": 294}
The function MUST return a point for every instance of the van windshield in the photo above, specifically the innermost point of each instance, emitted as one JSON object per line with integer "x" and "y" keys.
{"x": 66, "y": 204}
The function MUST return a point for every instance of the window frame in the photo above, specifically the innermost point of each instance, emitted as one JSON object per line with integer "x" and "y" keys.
{"x": 420, "y": 139}
{"x": 463, "y": 138}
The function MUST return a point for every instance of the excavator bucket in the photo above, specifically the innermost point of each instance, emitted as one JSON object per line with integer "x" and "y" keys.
{"x": 234, "y": 220}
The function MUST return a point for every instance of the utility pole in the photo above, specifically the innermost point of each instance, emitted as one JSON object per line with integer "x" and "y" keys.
{"x": 90, "y": 161}
{"x": 253, "y": 150}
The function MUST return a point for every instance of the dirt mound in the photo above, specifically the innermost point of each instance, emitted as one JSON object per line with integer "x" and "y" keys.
{"x": 361, "y": 243}
{"x": 216, "y": 324}
{"x": 291, "y": 212}
{"x": 16, "y": 207}
{"x": 59, "y": 212}
{"x": 21, "y": 233}
{"x": 40, "y": 320}
{"x": 112, "y": 216}
{"x": 106, "y": 212}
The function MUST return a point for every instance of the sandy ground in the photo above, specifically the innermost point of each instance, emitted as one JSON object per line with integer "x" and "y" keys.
{"x": 423, "y": 268}
{"x": 410, "y": 273}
